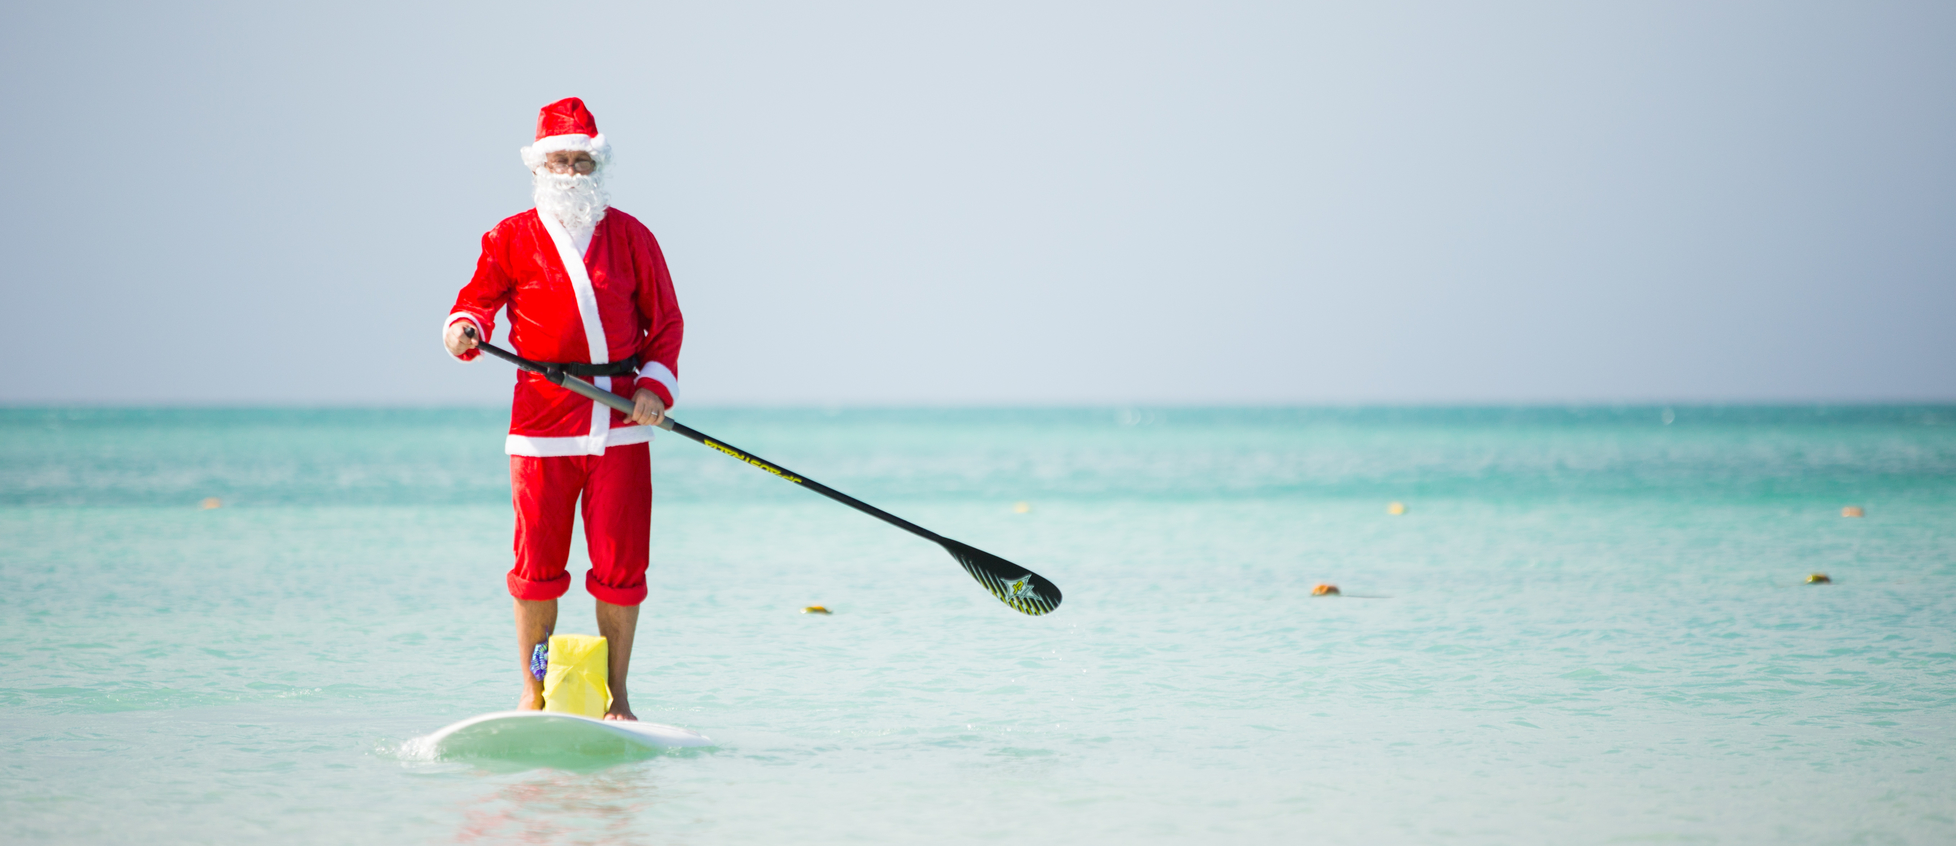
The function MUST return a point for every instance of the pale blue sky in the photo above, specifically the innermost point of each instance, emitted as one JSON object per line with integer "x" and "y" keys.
{"x": 1005, "y": 203}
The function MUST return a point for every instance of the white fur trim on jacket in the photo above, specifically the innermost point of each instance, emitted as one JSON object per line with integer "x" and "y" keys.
{"x": 556, "y": 447}
{"x": 596, "y": 145}
{"x": 587, "y": 310}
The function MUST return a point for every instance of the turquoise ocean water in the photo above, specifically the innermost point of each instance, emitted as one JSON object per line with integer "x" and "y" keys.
{"x": 1590, "y": 627}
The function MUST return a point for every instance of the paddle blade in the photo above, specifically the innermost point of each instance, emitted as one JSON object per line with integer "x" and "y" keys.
{"x": 1024, "y": 590}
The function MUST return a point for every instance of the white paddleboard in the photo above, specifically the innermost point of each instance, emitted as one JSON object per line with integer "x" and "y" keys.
{"x": 512, "y": 735}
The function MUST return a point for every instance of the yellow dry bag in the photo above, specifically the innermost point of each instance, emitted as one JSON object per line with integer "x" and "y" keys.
{"x": 575, "y": 680}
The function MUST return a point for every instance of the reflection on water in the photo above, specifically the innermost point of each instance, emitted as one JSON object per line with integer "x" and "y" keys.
{"x": 559, "y": 806}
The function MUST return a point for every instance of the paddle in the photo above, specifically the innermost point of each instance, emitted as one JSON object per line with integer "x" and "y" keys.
{"x": 1024, "y": 590}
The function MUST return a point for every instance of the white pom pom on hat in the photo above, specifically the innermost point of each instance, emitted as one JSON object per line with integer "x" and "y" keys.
{"x": 567, "y": 125}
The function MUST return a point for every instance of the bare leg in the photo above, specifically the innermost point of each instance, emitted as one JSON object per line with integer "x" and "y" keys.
{"x": 618, "y": 623}
{"x": 535, "y": 620}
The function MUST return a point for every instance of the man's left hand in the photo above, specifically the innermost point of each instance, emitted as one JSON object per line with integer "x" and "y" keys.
{"x": 647, "y": 408}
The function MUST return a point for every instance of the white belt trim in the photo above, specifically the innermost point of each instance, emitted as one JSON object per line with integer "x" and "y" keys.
{"x": 587, "y": 308}
{"x": 663, "y": 375}
{"x": 574, "y": 445}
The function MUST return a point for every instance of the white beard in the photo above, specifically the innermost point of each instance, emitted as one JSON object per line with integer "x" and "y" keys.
{"x": 576, "y": 200}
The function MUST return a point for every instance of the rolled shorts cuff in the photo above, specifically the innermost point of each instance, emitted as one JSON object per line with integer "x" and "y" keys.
{"x": 538, "y": 591}
{"x": 613, "y": 595}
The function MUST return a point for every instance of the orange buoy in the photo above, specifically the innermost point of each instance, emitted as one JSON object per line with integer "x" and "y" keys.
{"x": 1396, "y": 509}
{"x": 1324, "y": 589}
{"x": 814, "y": 609}
{"x": 1819, "y": 579}
{"x": 1853, "y": 511}
{"x": 1021, "y": 508}
{"x": 212, "y": 502}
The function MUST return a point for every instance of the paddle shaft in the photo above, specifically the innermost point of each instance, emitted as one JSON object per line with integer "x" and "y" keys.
{"x": 558, "y": 377}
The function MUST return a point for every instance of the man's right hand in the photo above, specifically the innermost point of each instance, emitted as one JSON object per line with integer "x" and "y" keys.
{"x": 456, "y": 341}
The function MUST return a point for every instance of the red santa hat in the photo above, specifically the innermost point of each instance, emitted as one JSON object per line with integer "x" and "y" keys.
{"x": 567, "y": 125}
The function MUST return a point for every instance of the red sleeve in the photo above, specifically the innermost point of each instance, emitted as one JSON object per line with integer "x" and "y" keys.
{"x": 485, "y": 294}
{"x": 662, "y": 326}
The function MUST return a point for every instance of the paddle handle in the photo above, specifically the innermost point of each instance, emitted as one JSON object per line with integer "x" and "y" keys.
{"x": 571, "y": 383}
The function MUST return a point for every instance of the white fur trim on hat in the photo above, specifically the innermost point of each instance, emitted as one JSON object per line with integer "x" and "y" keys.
{"x": 596, "y": 145}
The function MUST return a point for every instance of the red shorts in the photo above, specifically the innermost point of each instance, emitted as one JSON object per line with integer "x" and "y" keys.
{"x": 617, "y": 492}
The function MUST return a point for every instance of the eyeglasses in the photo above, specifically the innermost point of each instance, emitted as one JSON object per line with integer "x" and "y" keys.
{"x": 580, "y": 162}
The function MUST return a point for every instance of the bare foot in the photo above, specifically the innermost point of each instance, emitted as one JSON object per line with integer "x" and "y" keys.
{"x": 531, "y": 700}
{"x": 620, "y": 711}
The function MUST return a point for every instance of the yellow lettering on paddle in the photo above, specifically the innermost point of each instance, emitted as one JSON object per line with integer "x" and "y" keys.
{"x": 723, "y": 448}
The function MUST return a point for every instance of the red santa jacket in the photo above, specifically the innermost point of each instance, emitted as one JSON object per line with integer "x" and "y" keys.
{"x": 614, "y": 302}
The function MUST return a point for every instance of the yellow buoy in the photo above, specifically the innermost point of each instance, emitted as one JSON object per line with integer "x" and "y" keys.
{"x": 212, "y": 502}
{"x": 1819, "y": 579}
{"x": 1853, "y": 511}
{"x": 1325, "y": 589}
{"x": 814, "y": 609}
{"x": 1021, "y": 507}
{"x": 1396, "y": 509}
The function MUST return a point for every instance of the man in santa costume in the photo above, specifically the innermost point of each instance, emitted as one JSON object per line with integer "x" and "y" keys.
{"x": 586, "y": 287}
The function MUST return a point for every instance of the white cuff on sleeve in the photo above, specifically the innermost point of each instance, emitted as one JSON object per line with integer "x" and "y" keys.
{"x": 663, "y": 375}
